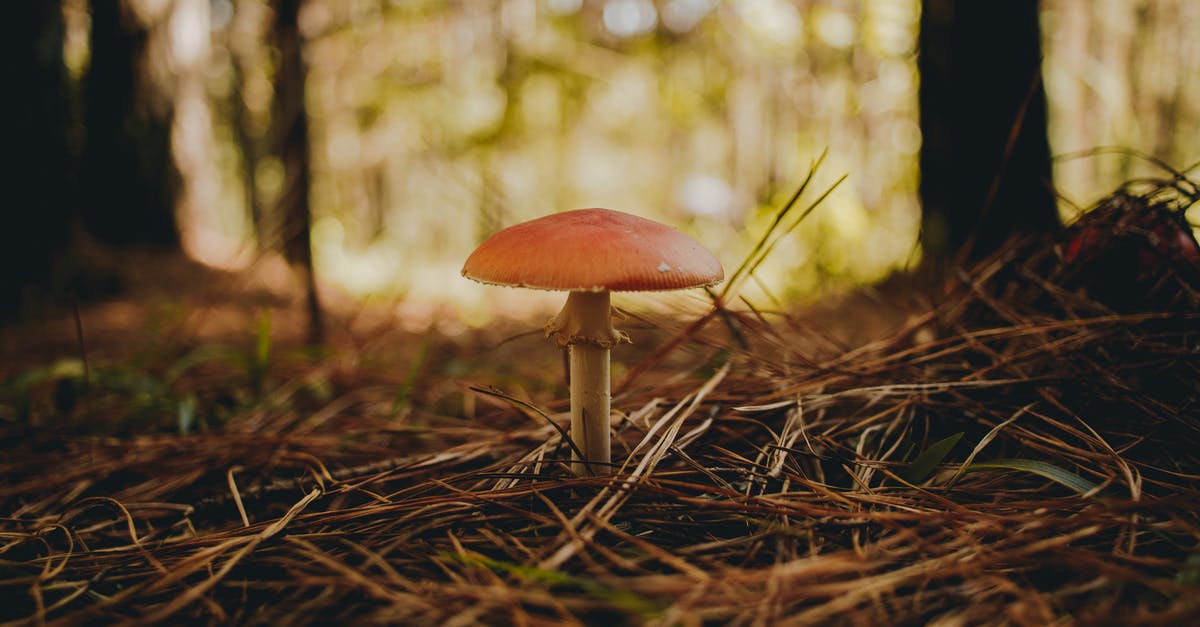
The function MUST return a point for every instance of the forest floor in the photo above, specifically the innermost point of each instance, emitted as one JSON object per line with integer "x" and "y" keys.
{"x": 1017, "y": 446}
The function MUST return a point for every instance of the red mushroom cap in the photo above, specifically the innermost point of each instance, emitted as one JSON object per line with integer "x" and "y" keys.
{"x": 593, "y": 250}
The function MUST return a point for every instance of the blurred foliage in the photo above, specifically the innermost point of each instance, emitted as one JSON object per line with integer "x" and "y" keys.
{"x": 438, "y": 122}
{"x": 163, "y": 390}
{"x": 1119, "y": 74}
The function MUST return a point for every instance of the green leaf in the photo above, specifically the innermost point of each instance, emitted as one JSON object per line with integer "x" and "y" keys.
{"x": 1189, "y": 574}
{"x": 67, "y": 368}
{"x": 1049, "y": 471}
{"x": 201, "y": 356}
{"x": 925, "y": 463}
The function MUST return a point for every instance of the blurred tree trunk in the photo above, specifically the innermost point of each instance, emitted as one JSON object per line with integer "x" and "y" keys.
{"x": 241, "y": 47}
{"x": 985, "y": 160}
{"x": 129, "y": 182}
{"x": 38, "y": 170}
{"x": 290, "y": 119}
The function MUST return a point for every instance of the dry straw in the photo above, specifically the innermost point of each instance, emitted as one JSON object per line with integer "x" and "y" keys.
{"x": 1022, "y": 453}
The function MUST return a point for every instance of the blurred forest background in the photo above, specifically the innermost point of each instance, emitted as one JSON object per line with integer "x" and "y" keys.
{"x": 425, "y": 125}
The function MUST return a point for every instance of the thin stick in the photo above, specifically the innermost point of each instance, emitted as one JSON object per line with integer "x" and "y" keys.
{"x": 87, "y": 377}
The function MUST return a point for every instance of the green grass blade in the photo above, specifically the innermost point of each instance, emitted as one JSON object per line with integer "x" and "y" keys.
{"x": 262, "y": 341}
{"x": 766, "y": 252}
{"x": 187, "y": 414}
{"x": 1049, "y": 471}
{"x": 766, "y": 236}
{"x": 623, "y": 599}
{"x": 262, "y": 353}
{"x": 404, "y": 392}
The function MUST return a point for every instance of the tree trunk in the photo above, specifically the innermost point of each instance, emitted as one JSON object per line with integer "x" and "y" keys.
{"x": 129, "y": 180}
{"x": 985, "y": 160}
{"x": 35, "y": 120}
{"x": 249, "y": 144}
{"x": 291, "y": 135}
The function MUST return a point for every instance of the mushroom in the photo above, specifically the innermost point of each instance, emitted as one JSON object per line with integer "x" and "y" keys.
{"x": 590, "y": 253}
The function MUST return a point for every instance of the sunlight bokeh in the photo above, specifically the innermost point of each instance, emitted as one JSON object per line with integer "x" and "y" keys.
{"x": 434, "y": 124}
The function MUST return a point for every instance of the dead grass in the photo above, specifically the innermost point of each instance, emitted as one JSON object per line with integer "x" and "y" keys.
{"x": 1021, "y": 453}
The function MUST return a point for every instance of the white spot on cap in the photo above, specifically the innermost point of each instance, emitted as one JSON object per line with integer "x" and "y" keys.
{"x": 663, "y": 267}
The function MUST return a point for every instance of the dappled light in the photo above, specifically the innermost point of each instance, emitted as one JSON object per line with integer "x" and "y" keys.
{"x": 435, "y": 124}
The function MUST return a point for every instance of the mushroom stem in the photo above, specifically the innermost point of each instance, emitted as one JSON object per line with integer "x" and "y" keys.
{"x": 585, "y": 324}
{"x": 590, "y": 404}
